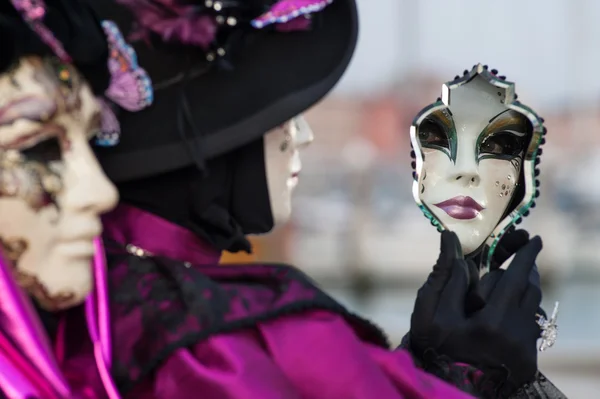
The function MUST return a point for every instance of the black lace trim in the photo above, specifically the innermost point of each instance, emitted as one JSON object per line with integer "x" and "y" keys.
{"x": 486, "y": 383}
{"x": 159, "y": 305}
{"x": 541, "y": 388}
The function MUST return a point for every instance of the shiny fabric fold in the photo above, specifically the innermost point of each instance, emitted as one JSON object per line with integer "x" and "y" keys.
{"x": 180, "y": 328}
{"x": 159, "y": 305}
{"x": 251, "y": 331}
{"x": 24, "y": 342}
{"x": 313, "y": 355}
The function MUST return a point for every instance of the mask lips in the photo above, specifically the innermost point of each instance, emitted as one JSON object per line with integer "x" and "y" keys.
{"x": 515, "y": 200}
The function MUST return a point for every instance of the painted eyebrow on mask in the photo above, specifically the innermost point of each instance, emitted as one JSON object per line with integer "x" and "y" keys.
{"x": 502, "y": 127}
{"x": 443, "y": 117}
{"x": 30, "y": 108}
{"x": 509, "y": 120}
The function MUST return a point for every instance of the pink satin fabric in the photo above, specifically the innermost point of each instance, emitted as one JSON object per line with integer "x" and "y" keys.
{"x": 306, "y": 355}
{"x": 312, "y": 355}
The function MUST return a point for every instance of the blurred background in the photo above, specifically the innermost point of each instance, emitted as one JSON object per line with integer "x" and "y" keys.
{"x": 356, "y": 228}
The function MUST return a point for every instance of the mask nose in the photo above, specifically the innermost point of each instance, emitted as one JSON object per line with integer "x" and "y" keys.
{"x": 89, "y": 189}
{"x": 466, "y": 170}
{"x": 304, "y": 135}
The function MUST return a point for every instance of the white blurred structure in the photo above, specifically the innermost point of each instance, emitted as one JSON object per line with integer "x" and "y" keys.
{"x": 355, "y": 210}
{"x": 549, "y": 47}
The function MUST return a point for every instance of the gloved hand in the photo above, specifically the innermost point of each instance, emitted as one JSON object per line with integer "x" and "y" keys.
{"x": 424, "y": 334}
{"x": 502, "y": 334}
{"x": 509, "y": 244}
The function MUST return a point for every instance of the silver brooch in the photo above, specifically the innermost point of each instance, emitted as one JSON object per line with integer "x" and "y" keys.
{"x": 549, "y": 329}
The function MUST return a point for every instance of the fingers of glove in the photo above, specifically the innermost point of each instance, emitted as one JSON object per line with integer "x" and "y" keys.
{"x": 542, "y": 312}
{"x": 450, "y": 248}
{"x": 488, "y": 283}
{"x": 473, "y": 272}
{"x": 515, "y": 279}
{"x": 513, "y": 241}
{"x": 534, "y": 277}
{"x": 452, "y": 299}
{"x": 509, "y": 244}
{"x": 531, "y": 299}
{"x": 474, "y": 301}
{"x": 428, "y": 298}
{"x": 429, "y": 294}
{"x": 499, "y": 257}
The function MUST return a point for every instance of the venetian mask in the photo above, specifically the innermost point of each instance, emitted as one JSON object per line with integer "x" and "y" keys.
{"x": 475, "y": 151}
{"x": 282, "y": 164}
{"x": 52, "y": 189}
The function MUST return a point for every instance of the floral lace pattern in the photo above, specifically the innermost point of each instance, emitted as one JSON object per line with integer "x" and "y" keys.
{"x": 159, "y": 305}
{"x": 488, "y": 385}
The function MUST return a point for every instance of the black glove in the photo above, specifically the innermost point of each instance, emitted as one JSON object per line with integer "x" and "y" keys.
{"x": 502, "y": 335}
{"x": 509, "y": 244}
{"x": 422, "y": 334}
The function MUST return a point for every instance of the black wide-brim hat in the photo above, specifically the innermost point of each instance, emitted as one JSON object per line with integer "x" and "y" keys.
{"x": 276, "y": 76}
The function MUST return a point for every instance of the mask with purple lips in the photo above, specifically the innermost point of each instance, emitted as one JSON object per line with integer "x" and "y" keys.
{"x": 474, "y": 150}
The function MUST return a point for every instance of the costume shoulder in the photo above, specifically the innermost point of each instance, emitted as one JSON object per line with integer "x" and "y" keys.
{"x": 162, "y": 305}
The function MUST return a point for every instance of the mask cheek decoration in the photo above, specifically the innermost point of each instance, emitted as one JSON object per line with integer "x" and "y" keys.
{"x": 56, "y": 215}
{"x": 28, "y": 193}
{"x": 41, "y": 121}
{"x": 33, "y": 182}
{"x": 481, "y": 181}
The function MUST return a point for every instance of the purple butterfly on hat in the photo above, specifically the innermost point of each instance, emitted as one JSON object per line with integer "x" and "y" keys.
{"x": 130, "y": 86}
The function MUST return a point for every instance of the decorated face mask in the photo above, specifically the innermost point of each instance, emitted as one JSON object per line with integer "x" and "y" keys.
{"x": 52, "y": 189}
{"x": 282, "y": 161}
{"x": 475, "y": 150}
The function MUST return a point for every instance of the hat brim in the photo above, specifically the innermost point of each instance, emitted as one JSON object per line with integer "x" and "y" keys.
{"x": 276, "y": 76}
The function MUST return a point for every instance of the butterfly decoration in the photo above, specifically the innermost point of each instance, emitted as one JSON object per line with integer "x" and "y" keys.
{"x": 286, "y": 13}
{"x": 130, "y": 86}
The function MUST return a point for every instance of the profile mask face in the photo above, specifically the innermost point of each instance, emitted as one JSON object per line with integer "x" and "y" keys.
{"x": 52, "y": 190}
{"x": 475, "y": 151}
{"x": 282, "y": 147}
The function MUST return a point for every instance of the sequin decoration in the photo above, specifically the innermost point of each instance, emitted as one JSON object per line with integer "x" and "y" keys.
{"x": 33, "y": 13}
{"x": 130, "y": 86}
{"x": 285, "y": 11}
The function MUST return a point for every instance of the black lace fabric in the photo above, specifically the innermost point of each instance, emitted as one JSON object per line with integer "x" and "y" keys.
{"x": 541, "y": 388}
{"x": 484, "y": 384}
{"x": 160, "y": 305}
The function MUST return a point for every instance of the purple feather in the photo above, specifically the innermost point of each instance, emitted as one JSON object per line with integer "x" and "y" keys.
{"x": 172, "y": 22}
{"x": 286, "y": 13}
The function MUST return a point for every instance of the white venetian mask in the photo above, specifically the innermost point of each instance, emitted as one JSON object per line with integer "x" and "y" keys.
{"x": 475, "y": 150}
{"x": 52, "y": 189}
{"x": 282, "y": 164}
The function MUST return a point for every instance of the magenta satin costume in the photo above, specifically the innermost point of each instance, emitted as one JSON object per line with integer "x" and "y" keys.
{"x": 268, "y": 333}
